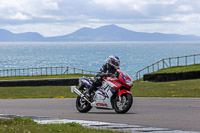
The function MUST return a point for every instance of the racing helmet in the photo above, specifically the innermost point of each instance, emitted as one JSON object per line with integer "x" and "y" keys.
{"x": 114, "y": 61}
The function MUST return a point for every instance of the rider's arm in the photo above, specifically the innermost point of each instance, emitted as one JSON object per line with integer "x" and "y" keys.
{"x": 104, "y": 68}
{"x": 104, "y": 71}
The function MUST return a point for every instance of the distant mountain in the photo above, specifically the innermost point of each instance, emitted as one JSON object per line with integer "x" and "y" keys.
{"x": 104, "y": 33}
{"x": 6, "y": 36}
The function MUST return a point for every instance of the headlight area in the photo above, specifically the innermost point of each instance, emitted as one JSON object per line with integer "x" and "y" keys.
{"x": 128, "y": 82}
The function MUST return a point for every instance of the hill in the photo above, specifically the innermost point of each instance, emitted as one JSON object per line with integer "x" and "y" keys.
{"x": 7, "y": 36}
{"x": 104, "y": 33}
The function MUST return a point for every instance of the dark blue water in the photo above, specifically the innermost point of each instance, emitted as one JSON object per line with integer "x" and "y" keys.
{"x": 91, "y": 56}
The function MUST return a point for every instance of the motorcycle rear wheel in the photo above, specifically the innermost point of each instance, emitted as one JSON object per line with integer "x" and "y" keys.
{"x": 82, "y": 105}
{"x": 124, "y": 105}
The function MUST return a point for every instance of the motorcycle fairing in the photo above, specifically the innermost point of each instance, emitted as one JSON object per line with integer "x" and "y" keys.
{"x": 86, "y": 82}
{"x": 113, "y": 83}
{"x": 102, "y": 97}
{"x": 123, "y": 92}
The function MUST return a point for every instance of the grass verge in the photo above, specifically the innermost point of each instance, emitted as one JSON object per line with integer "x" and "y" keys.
{"x": 46, "y": 76}
{"x": 184, "y": 88}
{"x": 179, "y": 69}
{"x": 27, "y": 125}
{"x": 36, "y": 92}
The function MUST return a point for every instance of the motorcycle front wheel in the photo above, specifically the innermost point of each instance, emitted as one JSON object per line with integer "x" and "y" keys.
{"x": 82, "y": 105}
{"x": 124, "y": 105}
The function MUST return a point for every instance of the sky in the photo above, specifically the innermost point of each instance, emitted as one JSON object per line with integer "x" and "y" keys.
{"x": 60, "y": 17}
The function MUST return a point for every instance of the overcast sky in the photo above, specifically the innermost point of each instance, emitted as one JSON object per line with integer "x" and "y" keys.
{"x": 59, "y": 17}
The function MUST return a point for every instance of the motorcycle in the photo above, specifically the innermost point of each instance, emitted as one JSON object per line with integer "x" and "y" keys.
{"x": 114, "y": 93}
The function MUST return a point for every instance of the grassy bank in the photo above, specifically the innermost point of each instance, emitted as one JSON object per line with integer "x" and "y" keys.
{"x": 27, "y": 125}
{"x": 180, "y": 69}
{"x": 36, "y": 92}
{"x": 46, "y": 76}
{"x": 184, "y": 88}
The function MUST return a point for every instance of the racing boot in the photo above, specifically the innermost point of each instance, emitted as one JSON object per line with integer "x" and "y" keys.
{"x": 89, "y": 91}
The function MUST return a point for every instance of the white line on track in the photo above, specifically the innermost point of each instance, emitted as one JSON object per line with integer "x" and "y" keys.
{"x": 101, "y": 125}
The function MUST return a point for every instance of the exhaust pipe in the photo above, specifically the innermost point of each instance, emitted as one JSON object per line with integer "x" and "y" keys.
{"x": 81, "y": 95}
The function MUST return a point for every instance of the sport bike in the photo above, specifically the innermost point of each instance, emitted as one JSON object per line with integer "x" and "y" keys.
{"x": 114, "y": 93}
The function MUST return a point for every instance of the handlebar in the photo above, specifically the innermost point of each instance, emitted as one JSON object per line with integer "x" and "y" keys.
{"x": 106, "y": 75}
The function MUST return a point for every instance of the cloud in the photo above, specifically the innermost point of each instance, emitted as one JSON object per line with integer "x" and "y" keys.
{"x": 65, "y": 14}
{"x": 184, "y": 8}
{"x": 20, "y": 16}
{"x": 32, "y": 8}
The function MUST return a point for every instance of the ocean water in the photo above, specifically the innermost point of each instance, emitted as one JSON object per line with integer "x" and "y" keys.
{"x": 91, "y": 55}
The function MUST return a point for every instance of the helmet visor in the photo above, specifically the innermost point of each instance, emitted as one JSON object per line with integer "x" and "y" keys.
{"x": 115, "y": 63}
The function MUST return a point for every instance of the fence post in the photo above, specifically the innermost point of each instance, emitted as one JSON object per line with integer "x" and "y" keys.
{"x": 186, "y": 60}
{"x": 67, "y": 69}
{"x": 139, "y": 75}
{"x": 163, "y": 64}
{"x": 41, "y": 70}
{"x": 136, "y": 75}
{"x": 36, "y": 71}
{"x": 10, "y": 72}
{"x": 7, "y": 73}
{"x": 51, "y": 70}
{"x": 169, "y": 62}
{"x": 46, "y": 71}
{"x": 153, "y": 67}
{"x": 194, "y": 60}
{"x": 158, "y": 65}
{"x": 178, "y": 61}
{"x": 74, "y": 70}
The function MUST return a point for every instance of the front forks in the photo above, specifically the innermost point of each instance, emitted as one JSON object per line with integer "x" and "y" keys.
{"x": 120, "y": 98}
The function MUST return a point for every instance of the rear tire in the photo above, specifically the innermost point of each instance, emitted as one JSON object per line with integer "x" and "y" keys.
{"x": 82, "y": 105}
{"x": 124, "y": 105}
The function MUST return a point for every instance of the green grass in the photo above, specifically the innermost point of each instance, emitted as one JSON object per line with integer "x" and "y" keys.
{"x": 184, "y": 88}
{"x": 27, "y": 125}
{"x": 46, "y": 76}
{"x": 36, "y": 92}
{"x": 180, "y": 69}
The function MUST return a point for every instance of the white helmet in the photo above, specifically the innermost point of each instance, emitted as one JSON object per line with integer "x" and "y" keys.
{"x": 114, "y": 61}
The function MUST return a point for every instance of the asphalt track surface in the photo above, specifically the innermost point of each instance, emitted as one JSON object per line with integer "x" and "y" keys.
{"x": 172, "y": 113}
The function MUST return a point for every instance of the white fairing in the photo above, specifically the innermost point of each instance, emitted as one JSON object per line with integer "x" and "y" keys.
{"x": 102, "y": 97}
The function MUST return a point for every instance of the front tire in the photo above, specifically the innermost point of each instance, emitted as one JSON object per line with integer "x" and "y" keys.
{"x": 124, "y": 105}
{"x": 82, "y": 105}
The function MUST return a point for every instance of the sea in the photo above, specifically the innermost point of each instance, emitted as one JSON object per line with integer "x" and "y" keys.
{"x": 90, "y": 55}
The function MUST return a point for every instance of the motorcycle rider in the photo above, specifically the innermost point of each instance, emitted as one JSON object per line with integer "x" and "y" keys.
{"x": 108, "y": 69}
